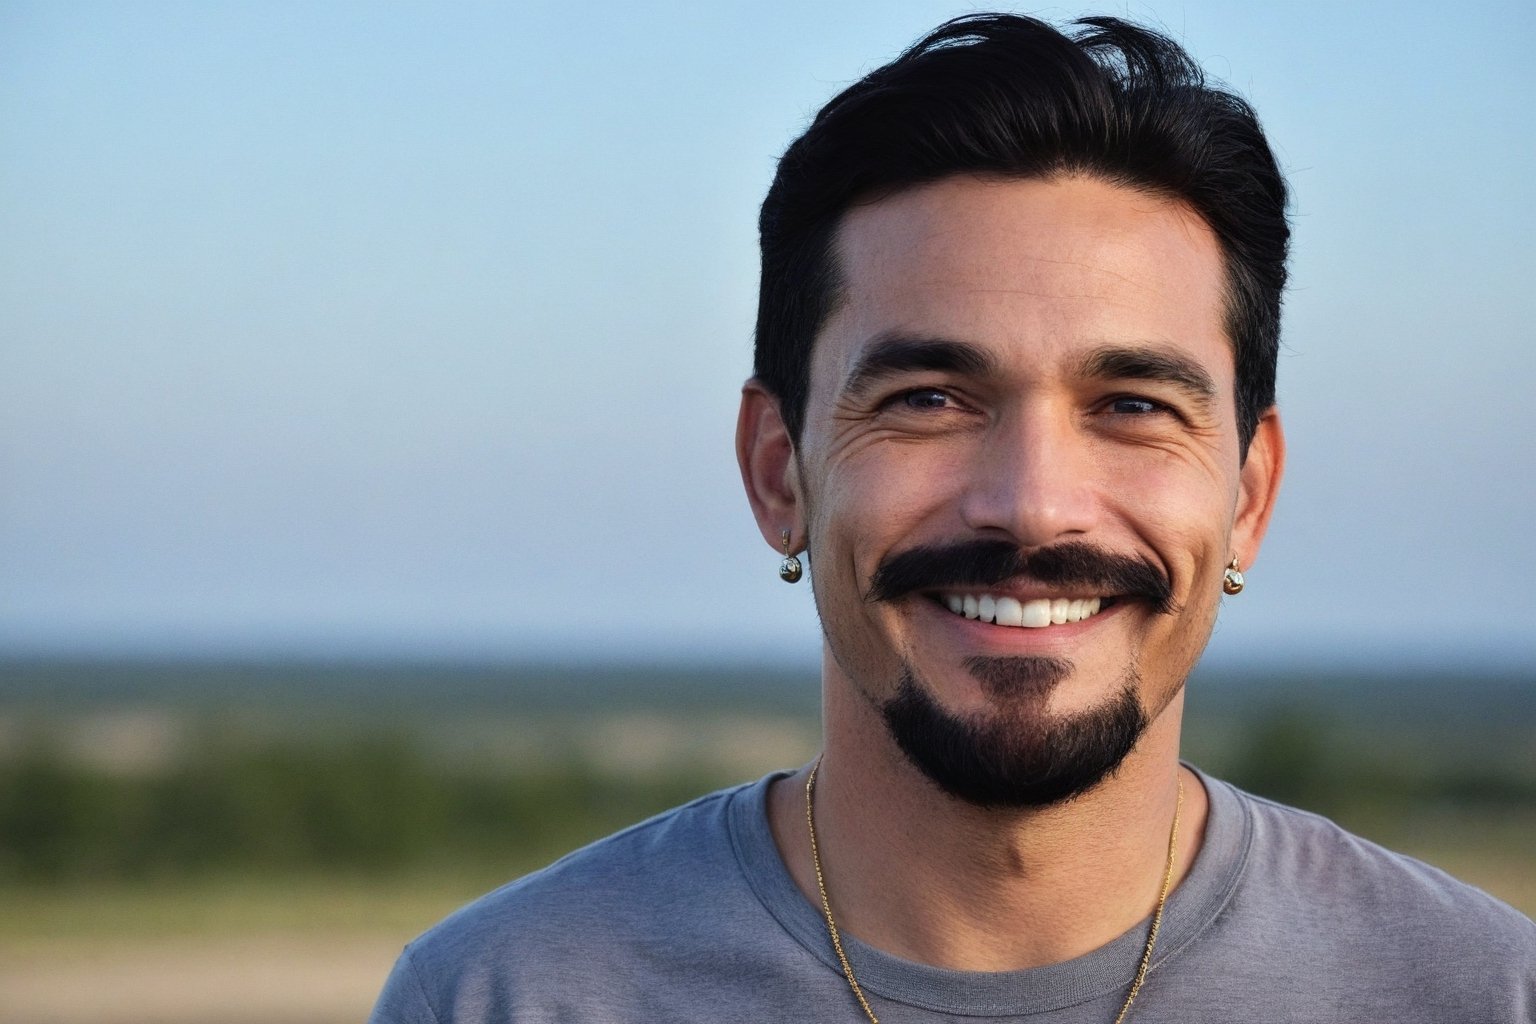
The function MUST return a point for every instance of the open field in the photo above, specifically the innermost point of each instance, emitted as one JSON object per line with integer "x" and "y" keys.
{"x": 236, "y": 844}
{"x": 233, "y": 979}
{"x": 280, "y": 950}
{"x": 309, "y": 951}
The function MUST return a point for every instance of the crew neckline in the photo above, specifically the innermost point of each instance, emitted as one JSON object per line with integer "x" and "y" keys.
{"x": 1197, "y": 901}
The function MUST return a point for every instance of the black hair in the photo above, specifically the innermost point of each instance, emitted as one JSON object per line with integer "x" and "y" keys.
{"x": 1013, "y": 96}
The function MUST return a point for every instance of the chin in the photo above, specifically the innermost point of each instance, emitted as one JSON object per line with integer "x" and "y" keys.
{"x": 1014, "y": 753}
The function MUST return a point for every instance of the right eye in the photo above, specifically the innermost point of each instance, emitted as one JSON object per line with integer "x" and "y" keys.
{"x": 924, "y": 399}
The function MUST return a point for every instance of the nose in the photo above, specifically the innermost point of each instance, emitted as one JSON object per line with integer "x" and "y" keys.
{"x": 1032, "y": 478}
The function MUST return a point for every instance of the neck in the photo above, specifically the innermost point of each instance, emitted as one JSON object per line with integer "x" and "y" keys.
{"x": 924, "y": 876}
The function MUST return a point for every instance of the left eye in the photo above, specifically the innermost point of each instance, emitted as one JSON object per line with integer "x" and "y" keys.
{"x": 1131, "y": 406}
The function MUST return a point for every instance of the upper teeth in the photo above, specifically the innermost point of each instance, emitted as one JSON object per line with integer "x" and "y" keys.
{"x": 1010, "y": 611}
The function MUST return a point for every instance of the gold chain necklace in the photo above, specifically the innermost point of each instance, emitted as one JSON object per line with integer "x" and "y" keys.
{"x": 842, "y": 957}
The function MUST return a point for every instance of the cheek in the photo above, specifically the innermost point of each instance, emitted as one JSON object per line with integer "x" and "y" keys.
{"x": 1182, "y": 508}
{"x": 882, "y": 501}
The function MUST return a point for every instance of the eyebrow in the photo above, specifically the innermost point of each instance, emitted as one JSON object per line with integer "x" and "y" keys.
{"x": 891, "y": 354}
{"x": 1153, "y": 364}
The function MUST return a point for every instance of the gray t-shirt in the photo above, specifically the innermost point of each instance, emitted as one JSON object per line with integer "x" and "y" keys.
{"x": 692, "y": 916}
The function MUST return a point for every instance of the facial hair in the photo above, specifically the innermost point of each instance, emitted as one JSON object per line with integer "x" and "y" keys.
{"x": 1015, "y": 755}
{"x": 986, "y": 562}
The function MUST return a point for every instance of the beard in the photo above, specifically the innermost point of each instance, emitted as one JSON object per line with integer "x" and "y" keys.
{"x": 1014, "y": 755}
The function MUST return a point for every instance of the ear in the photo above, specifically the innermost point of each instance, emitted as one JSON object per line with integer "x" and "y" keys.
{"x": 1258, "y": 486}
{"x": 766, "y": 455}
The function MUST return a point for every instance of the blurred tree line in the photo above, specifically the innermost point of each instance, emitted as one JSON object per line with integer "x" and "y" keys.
{"x": 386, "y": 800}
{"x": 1301, "y": 756}
{"x": 364, "y": 804}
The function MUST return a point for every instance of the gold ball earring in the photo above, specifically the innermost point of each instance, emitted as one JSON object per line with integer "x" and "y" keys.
{"x": 1232, "y": 579}
{"x": 789, "y": 569}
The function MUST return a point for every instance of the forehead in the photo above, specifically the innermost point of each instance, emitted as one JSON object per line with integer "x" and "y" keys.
{"x": 1036, "y": 270}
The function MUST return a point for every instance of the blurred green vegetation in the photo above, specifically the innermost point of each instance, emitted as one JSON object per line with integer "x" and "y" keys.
{"x": 1308, "y": 759}
{"x": 151, "y": 774}
{"x": 351, "y": 774}
{"x": 365, "y": 804}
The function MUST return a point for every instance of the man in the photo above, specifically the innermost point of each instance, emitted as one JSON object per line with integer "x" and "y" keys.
{"x": 1014, "y": 391}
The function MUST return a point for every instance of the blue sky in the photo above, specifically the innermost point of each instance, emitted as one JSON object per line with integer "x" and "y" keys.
{"x": 418, "y": 328}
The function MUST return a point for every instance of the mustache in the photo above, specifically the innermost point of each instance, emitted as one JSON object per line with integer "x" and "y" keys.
{"x": 989, "y": 562}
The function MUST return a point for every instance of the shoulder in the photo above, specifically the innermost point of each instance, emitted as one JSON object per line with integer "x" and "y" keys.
{"x": 1316, "y": 855}
{"x": 1293, "y": 915}
{"x": 1307, "y": 878}
{"x": 604, "y": 906}
{"x": 616, "y": 880}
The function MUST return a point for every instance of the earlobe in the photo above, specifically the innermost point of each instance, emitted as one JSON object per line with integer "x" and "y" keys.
{"x": 766, "y": 456}
{"x": 1258, "y": 486}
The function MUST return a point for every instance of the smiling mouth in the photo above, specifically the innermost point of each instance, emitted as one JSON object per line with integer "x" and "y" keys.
{"x": 1033, "y": 614}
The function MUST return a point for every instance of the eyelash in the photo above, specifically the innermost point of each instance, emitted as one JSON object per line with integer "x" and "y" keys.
{"x": 1154, "y": 406}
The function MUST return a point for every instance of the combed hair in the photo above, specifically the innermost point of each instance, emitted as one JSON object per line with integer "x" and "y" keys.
{"x": 1013, "y": 96}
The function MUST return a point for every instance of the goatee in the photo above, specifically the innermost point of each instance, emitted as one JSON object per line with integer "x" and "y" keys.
{"x": 1014, "y": 755}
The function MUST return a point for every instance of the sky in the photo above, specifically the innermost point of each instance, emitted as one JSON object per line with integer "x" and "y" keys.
{"x": 417, "y": 330}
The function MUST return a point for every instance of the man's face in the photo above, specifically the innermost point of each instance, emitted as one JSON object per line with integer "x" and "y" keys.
{"x": 1018, "y": 370}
